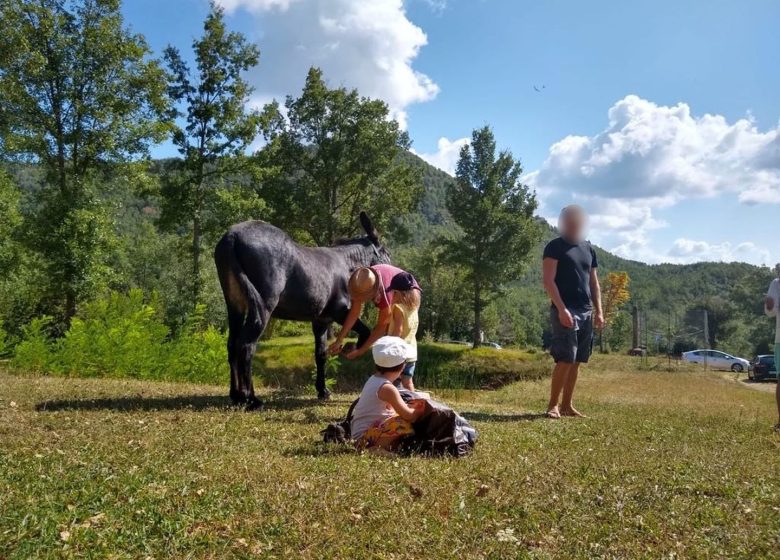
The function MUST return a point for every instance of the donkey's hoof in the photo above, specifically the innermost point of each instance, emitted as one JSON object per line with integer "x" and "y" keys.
{"x": 323, "y": 395}
{"x": 254, "y": 405}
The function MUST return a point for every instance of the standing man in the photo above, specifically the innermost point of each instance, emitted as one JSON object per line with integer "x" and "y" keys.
{"x": 771, "y": 304}
{"x": 569, "y": 272}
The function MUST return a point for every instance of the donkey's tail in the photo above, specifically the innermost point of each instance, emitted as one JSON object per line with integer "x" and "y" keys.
{"x": 240, "y": 294}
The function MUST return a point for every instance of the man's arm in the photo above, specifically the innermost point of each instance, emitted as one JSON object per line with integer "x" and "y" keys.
{"x": 354, "y": 313}
{"x": 549, "y": 268}
{"x": 595, "y": 294}
{"x": 382, "y": 321}
{"x": 772, "y": 299}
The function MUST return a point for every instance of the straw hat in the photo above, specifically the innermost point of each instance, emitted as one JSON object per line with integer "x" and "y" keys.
{"x": 363, "y": 284}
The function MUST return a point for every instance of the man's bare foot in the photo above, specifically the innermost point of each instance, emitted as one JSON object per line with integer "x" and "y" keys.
{"x": 553, "y": 413}
{"x": 573, "y": 412}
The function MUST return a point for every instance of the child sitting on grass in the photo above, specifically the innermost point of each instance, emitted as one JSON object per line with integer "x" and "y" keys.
{"x": 381, "y": 417}
{"x": 404, "y": 320}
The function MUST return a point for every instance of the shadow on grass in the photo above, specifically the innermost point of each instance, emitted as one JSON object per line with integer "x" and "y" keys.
{"x": 488, "y": 417}
{"x": 180, "y": 402}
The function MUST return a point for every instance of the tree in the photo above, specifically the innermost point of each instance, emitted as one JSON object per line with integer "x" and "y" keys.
{"x": 216, "y": 131}
{"x": 335, "y": 153}
{"x": 77, "y": 94}
{"x": 495, "y": 212}
{"x": 10, "y": 220}
{"x": 615, "y": 294}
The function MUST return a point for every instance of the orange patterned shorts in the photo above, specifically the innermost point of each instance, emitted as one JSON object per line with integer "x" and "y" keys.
{"x": 385, "y": 433}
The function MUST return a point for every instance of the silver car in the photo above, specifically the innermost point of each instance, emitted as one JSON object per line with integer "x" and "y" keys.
{"x": 716, "y": 360}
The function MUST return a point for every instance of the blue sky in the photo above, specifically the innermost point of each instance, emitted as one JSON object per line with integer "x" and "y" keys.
{"x": 661, "y": 118}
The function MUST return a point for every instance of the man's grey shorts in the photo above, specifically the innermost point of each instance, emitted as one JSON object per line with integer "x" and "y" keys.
{"x": 574, "y": 344}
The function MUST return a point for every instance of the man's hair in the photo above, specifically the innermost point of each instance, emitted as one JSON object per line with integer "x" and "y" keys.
{"x": 570, "y": 211}
{"x": 382, "y": 369}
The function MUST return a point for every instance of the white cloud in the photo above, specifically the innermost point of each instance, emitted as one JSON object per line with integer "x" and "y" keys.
{"x": 688, "y": 250}
{"x": 368, "y": 45}
{"x": 256, "y": 5}
{"x": 651, "y": 157}
{"x": 446, "y": 156}
{"x": 654, "y": 151}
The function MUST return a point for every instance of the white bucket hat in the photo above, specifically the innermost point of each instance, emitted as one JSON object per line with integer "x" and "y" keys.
{"x": 390, "y": 351}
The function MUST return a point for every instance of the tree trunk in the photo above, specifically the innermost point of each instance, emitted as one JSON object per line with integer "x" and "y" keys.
{"x": 70, "y": 307}
{"x": 477, "y": 314}
{"x": 196, "y": 247}
{"x": 197, "y": 235}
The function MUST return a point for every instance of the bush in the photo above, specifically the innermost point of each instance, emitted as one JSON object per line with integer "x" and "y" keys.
{"x": 122, "y": 335}
{"x": 34, "y": 352}
{"x": 5, "y": 346}
{"x": 289, "y": 363}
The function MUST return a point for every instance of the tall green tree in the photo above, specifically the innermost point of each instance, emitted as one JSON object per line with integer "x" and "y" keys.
{"x": 335, "y": 153}
{"x": 495, "y": 212}
{"x": 10, "y": 220}
{"x": 78, "y": 93}
{"x": 215, "y": 129}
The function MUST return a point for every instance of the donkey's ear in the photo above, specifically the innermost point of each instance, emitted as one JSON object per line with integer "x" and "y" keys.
{"x": 368, "y": 225}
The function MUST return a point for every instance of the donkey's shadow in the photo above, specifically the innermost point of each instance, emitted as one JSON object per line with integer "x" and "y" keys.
{"x": 178, "y": 402}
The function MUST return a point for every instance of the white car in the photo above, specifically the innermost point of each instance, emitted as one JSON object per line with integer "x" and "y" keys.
{"x": 716, "y": 360}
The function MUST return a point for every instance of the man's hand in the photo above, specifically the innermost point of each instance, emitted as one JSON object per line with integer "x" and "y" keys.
{"x": 565, "y": 318}
{"x": 353, "y": 354}
{"x": 335, "y": 347}
{"x": 598, "y": 320}
{"x": 769, "y": 303}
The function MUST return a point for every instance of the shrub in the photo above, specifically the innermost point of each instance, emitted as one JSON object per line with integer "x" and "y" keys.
{"x": 116, "y": 336}
{"x": 34, "y": 352}
{"x": 4, "y": 343}
{"x": 122, "y": 335}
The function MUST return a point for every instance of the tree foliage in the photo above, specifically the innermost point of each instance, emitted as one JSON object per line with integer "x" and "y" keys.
{"x": 215, "y": 133}
{"x": 495, "y": 213}
{"x": 77, "y": 93}
{"x": 614, "y": 295}
{"x": 334, "y": 154}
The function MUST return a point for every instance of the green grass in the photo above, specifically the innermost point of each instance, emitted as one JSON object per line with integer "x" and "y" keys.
{"x": 669, "y": 465}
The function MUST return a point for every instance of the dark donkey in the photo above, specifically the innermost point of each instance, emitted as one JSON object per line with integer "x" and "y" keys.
{"x": 265, "y": 274}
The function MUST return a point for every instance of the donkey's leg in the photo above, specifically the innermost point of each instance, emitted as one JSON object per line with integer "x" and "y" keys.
{"x": 247, "y": 345}
{"x": 320, "y": 331}
{"x": 362, "y": 331}
{"x": 235, "y": 324}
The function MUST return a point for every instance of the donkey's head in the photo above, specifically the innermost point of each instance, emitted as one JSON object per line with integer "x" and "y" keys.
{"x": 368, "y": 250}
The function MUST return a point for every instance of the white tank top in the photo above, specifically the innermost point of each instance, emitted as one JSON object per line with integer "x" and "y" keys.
{"x": 370, "y": 407}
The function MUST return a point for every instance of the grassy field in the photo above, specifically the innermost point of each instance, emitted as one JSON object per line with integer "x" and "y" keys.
{"x": 669, "y": 465}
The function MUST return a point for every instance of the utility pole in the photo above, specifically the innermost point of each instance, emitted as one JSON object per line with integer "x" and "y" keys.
{"x": 635, "y": 318}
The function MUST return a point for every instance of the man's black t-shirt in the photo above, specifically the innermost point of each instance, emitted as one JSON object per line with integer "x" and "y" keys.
{"x": 575, "y": 261}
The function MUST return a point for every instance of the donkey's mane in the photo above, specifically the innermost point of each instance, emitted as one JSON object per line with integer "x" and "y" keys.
{"x": 344, "y": 241}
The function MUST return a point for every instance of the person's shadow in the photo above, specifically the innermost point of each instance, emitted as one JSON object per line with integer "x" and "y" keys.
{"x": 489, "y": 417}
{"x": 180, "y": 402}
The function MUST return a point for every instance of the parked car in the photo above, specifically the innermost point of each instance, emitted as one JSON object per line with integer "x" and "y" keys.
{"x": 763, "y": 367}
{"x": 716, "y": 360}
